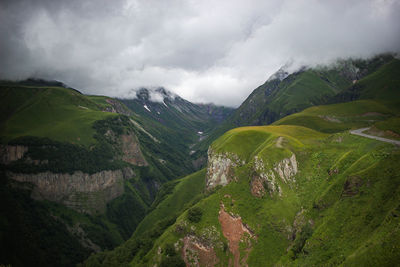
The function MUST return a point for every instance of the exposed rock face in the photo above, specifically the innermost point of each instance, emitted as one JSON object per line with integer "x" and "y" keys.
{"x": 197, "y": 253}
{"x": 117, "y": 107}
{"x": 287, "y": 169}
{"x": 12, "y": 153}
{"x": 131, "y": 152}
{"x": 264, "y": 179}
{"x": 80, "y": 191}
{"x": 220, "y": 169}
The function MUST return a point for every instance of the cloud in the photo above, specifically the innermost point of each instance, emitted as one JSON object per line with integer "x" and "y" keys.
{"x": 205, "y": 51}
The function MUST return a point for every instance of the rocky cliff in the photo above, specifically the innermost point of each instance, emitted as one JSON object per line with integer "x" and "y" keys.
{"x": 12, "y": 153}
{"x": 265, "y": 180}
{"x": 80, "y": 191}
{"x": 220, "y": 169}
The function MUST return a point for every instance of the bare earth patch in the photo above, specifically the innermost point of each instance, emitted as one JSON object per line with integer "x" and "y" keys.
{"x": 367, "y": 114}
{"x": 196, "y": 253}
{"x": 330, "y": 118}
{"x": 279, "y": 142}
{"x": 234, "y": 230}
{"x": 131, "y": 150}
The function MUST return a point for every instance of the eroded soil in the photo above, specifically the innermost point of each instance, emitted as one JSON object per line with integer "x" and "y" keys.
{"x": 234, "y": 230}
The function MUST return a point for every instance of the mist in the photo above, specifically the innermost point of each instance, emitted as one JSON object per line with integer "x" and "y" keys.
{"x": 204, "y": 51}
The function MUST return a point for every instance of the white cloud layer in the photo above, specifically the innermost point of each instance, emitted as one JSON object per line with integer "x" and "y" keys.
{"x": 205, "y": 51}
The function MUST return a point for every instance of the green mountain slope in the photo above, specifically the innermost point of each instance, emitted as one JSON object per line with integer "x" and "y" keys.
{"x": 96, "y": 166}
{"x": 382, "y": 85}
{"x": 58, "y": 113}
{"x": 175, "y": 112}
{"x": 173, "y": 198}
{"x": 340, "y": 117}
{"x": 285, "y": 94}
{"x": 305, "y": 198}
{"x": 301, "y": 192}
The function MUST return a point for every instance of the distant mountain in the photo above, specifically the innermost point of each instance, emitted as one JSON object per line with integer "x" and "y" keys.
{"x": 175, "y": 112}
{"x": 283, "y": 93}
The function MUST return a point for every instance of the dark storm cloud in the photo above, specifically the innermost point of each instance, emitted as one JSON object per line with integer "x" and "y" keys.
{"x": 208, "y": 51}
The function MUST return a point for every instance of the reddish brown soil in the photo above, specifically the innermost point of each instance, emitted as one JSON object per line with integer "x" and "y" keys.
{"x": 233, "y": 230}
{"x": 257, "y": 187}
{"x": 195, "y": 252}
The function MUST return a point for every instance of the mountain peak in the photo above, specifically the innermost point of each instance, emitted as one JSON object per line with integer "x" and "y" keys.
{"x": 159, "y": 94}
{"x": 281, "y": 74}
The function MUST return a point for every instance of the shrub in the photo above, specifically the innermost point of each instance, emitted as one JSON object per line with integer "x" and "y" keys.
{"x": 170, "y": 250}
{"x": 194, "y": 214}
{"x": 175, "y": 261}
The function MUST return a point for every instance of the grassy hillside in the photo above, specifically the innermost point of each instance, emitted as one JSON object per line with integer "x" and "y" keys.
{"x": 339, "y": 208}
{"x": 339, "y": 117}
{"x": 58, "y": 113}
{"x": 282, "y": 96}
{"x": 66, "y": 131}
{"x": 346, "y": 188}
{"x": 382, "y": 85}
{"x": 173, "y": 198}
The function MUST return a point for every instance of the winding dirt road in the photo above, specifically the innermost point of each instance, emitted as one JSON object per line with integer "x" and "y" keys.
{"x": 360, "y": 133}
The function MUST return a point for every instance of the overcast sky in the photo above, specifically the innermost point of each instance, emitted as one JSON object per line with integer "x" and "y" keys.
{"x": 204, "y": 50}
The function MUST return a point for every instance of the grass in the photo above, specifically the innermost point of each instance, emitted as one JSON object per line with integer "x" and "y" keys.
{"x": 54, "y": 112}
{"x": 382, "y": 84}
{"x": 182, "y": 196}
{"x": 306, "y": 89}
{"x": 391, "y": 124}
{"x": 339, "y": 117}
{"x": 342, "y": 207}
{"x": 244, "y": 141}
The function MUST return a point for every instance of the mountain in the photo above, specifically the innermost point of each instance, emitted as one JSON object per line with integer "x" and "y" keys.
{"x": 175, "y": 112}
{"x": 114, "y": 182}
{"x": 283, "y": 93}
{"x": 86, "y": 167}
{"x": 304, "y": 191}
{"x": 191, "y": 122}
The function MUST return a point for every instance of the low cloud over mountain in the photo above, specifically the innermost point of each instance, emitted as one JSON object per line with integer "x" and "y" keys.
{"x": 205, "y": 51}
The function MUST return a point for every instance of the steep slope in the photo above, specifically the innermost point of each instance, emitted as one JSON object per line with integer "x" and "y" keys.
{"x": 173, "y": 198}
{"x": 182, "y": 123}
{"x": 91, "y": 165}
{"x": 175, "y": 112}
{"x": 288, "y": 195}
{"x": 382, "y": 85}
{"x": 301, "y": 192}
{"x": 283, "y": 94}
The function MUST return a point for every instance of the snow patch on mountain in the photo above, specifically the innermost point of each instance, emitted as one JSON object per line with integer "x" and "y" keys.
{"x": 145, "y": 106}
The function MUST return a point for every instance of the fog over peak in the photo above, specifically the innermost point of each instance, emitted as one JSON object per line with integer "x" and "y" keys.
{"x": 205, "y": 51}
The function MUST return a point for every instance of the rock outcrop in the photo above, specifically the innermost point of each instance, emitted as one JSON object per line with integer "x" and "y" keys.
{"x": 117, "y": 107}
{"x": 265, "y": 180}
{"x": 197, "y": 253}
{"x": 220, "y": 169}
{"x": 131, "y": 152}
{"x": 80, "y": 191}
{"x": 12, "y": 153}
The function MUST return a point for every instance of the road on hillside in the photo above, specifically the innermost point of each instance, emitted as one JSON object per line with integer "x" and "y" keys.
{"x": 360, "y": 133}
